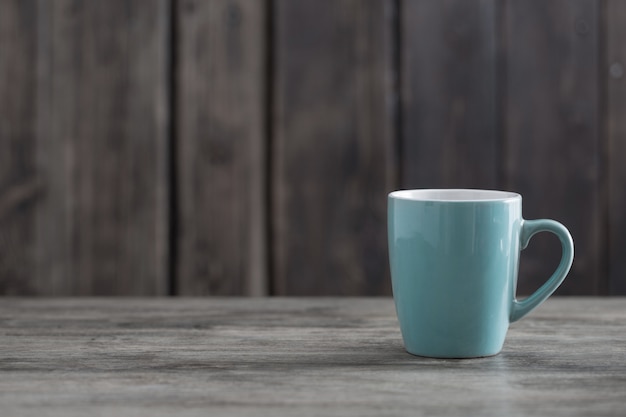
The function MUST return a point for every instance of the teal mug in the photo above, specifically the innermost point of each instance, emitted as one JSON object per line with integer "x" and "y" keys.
{"x": 454, "y": 257}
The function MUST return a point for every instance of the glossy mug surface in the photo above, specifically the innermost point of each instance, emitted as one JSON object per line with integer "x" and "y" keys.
{"x": 454, "y": 257}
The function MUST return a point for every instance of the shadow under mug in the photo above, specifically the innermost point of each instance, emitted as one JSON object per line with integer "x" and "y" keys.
{"x": 454, "y": 257}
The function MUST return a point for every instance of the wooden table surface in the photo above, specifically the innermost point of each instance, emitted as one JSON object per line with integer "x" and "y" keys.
{"x": 297, "y": 357}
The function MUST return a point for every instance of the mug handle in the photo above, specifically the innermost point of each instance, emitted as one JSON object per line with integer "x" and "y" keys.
{"x": 529, "y": 229}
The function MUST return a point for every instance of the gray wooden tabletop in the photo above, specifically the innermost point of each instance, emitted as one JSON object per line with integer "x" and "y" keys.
{"x": 295, "y": 356}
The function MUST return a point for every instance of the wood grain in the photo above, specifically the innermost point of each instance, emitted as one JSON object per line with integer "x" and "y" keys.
{"x": 333, "y": 149}
{"x": 222, "y": 147}
{"x": 551, "y": 120}
{"x": 615, "y": 68}
{"x": 293, "y": 119}
{"x": 448, "y": 80}
{"x": 84, "y": 205}
{"x": 19, "y": 181}
{"x": 305, "y": 357}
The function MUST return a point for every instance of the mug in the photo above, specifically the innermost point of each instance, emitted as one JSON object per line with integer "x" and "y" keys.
{"x": 454, "y": 257}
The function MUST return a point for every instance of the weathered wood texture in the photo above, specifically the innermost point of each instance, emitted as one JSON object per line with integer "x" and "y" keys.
{"x": 333, "y": 151}
{"x": 221, "y": 140}
{"x": 448, "y": 81}
{"x": 19, "y": 182}
{"x": 86, "y": 195}
{"x": 279, "y": 357}
{"x": 616, "y": 135}
{"x": 551, "y": 147}
{"x": 257, "y": 141}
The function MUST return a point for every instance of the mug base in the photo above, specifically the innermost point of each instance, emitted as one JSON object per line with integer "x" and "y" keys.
{"x": 452, "y": 356}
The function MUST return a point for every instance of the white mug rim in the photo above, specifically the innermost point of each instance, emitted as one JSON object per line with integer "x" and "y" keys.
{"x": 454, "y": 195}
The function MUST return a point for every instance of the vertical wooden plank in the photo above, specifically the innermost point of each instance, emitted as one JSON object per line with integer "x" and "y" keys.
{"x": 448, "y": 94}
{"x": 333, "y": 146}
{"x": 101, "y": 152}
{"x": 551, "y": 118}
{"x": 616, "y": 110}
{"x": 221, "y": 159}
{"x": 19, "y": 187}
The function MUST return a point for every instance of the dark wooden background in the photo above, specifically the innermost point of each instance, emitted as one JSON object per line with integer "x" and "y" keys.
{"x": 228, "y": 147}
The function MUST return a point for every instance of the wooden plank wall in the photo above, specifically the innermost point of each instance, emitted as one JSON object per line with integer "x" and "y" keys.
{"x": 615, "y": 84}
{"x": 333, "y": 146}
{"x": 220, "y": 159}
{"x": 449, "y": 118}
{"x": 84, "y": 139}
{"x": 551, "y": 124}
{"x": 19, "y": 183}
{"x": 231, "y": 147}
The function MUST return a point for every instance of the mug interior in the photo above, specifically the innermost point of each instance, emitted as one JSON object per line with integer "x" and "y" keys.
{"x": 454, "y": 195}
